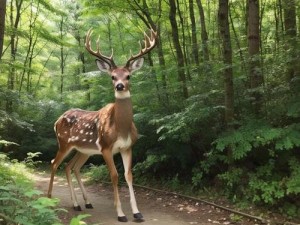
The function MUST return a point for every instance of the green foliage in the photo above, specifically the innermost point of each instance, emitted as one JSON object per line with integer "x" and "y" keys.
{"x": 51, "y": 8}
{"x": 232, "y": 178}
{"x": 30, "y": 160}
{"x": 183, "y": 125}
{"x": 98, "y": 173}
{"x": 254, "y": 156}
{"x": 19, "y": 202}
{"x": 293, "y": 181}
{"x": 36, "y": 136}
{"x": 257, "y": 134}
{"x": 174, "y": 183}
{"x": 152, "y": 165}
{"x": 78, "y": 219}
{"x": 264, "y": 190}
{"x": 6, "y": 143}
{"x": 197, "y": 177}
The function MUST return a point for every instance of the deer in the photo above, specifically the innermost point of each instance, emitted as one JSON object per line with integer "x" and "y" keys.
{"x": 106, "y": 132}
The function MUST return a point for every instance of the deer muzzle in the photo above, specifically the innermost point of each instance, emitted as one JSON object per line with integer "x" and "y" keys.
{"x": 120, "y": 87}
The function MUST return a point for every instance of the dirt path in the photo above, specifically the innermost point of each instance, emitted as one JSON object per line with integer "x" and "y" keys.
{"x": 156, "y": 209}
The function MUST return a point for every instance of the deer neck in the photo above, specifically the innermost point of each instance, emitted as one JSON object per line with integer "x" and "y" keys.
{"x": 123, "y": 115}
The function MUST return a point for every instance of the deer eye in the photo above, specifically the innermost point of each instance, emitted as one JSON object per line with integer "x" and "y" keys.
{"x": 128, "y": 77}
{"x": 113, "y": 77}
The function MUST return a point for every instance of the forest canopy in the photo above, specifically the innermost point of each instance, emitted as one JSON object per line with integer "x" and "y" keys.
{"x": 217, "y": 103}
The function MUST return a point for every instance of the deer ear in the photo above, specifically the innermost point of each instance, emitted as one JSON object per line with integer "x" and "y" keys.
{"x": 136, "y": 64}
{"x": 103, "y": 66}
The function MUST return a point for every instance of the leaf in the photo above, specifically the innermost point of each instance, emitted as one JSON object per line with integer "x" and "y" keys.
{"x": 241, "y": 150}
{"x": 32, "y": 193}
{"x": 47, "y": 202}
{"x": 77, "y": 220}
{"x": 4, "y": 188}
{"x": 6, "y": 143}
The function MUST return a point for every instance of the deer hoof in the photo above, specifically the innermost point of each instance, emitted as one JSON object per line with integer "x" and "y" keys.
{"x": 122, "y": 219}
{"x": 77, "y": 208}
{"x": 89, "y": 206}
{"x": 138, "y": 217}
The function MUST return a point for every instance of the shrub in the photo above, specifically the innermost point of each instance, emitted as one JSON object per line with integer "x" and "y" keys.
{"x": 19, "y": 202}
{"x": 256, "y": 162}
{"x": 98, "y": 173}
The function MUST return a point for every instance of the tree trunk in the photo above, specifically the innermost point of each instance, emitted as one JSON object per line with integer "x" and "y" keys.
{"x": 14, "y": 23}
{"x": 179, "y": 53}
{"x": 227, "y": 59}
{"x": 162, "y": 62}
{"x": 184, "y": 38}
{"x": 32, "y": 41}
{"x": 243, "y": 67}
{"x": 256, "y": 78}
{"x": 195, "y": 47}
{"x": 2, "y": 24}
{"x": 62, "y": 59}
{"x": 204, "y": 35}
{"x": 277, "y": 22}
{"x": 290, "y": 26}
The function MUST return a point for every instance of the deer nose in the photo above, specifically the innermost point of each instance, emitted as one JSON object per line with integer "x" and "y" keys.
{"x": 120, "y": 87}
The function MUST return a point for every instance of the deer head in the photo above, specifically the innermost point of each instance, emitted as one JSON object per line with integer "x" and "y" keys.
{"x": 121, "y": 75}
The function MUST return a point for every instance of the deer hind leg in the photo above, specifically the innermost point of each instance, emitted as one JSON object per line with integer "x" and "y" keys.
{"x": 108, "y": 157}
{"x": 69, "y": 169}
{"x": 76, "y": 168}
{"x": 60, "y": 155}
{"x": 127, "y": 159}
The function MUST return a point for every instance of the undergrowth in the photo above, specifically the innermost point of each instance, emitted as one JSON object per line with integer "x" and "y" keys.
{"x": 20, "y": 203}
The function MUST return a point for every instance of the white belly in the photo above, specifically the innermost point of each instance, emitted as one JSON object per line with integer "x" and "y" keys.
{"x": 89, "y": 151}
{"x": 121, "y": 144}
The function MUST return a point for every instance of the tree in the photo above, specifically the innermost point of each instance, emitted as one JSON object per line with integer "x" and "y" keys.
{"x": 2, "y": 24}
{"x": 14, "y": 24}
{"x": 227, "y": 59}
{"x": 32, "y": 42}
{"x": 195, "y": 47}
{"x": 293, "y": 69}
{"x": 178, "y": 49}
{"x": 255, "y": 74}
{"x": 204, "y": 35}
{"x": 161, "y": 59}
{"x": 63, "y": 55}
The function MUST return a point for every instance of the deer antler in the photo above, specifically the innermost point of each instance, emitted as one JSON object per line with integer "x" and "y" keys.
{"x": 98, "y": 53}
{"x": 149, "y": 44}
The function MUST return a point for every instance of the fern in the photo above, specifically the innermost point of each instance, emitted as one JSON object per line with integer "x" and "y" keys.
{"x": 256, "y": 134}
{"x": 263, "y": 180}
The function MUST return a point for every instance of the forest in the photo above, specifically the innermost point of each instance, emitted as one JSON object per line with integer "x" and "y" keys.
{"x": 216, "y": 104}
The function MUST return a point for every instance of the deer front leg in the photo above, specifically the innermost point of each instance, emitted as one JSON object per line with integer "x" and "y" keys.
{"x": 127, "y": 160}
{"x": 108, "y": 157}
